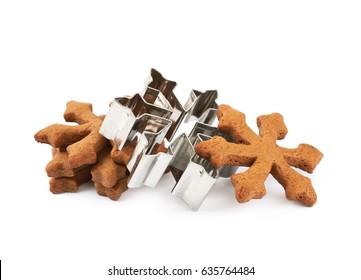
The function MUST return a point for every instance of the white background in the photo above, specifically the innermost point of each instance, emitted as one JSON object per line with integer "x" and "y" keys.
{"x": 299, "y": 58}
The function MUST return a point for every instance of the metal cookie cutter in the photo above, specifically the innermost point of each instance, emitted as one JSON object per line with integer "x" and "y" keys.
{"x": 197, "y": 103}
{"x": 144, "y": 120}
{"x": 194, "y": 175}
{"x": 142, "y": 124}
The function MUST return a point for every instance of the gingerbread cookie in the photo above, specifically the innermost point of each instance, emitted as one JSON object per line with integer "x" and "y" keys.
{"x": 75, "y": 148}
{"x": 262, "y": 155}
{"x": 83, "y": 142}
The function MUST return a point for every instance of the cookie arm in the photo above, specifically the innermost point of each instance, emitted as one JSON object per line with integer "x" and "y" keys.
{"x": 222, "y": 153}
{"x": 59, "y": 135}
{"x": 305, "y": 157}
{"x": 272, "y": 126}
{"x": 250, "y": 184}
{"x": 106, "y": 171}
{"x": 122, "y": 156}
{"x": 59, "y": 166}
{"x": 114, "y": 192}
{"x": 79, "y": 112}
{"x": 297, "y": 186}
{"x": 70, "y": 184}
{"x": 85, "y": 151}
{"x": 233, "y": 123}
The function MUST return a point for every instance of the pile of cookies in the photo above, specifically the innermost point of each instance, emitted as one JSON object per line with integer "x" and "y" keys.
{"x": 81, "y": 153}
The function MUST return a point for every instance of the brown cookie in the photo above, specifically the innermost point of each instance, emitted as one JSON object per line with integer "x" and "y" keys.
{"x": 83, "y": 142}
{"x": 262, "y": 155}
